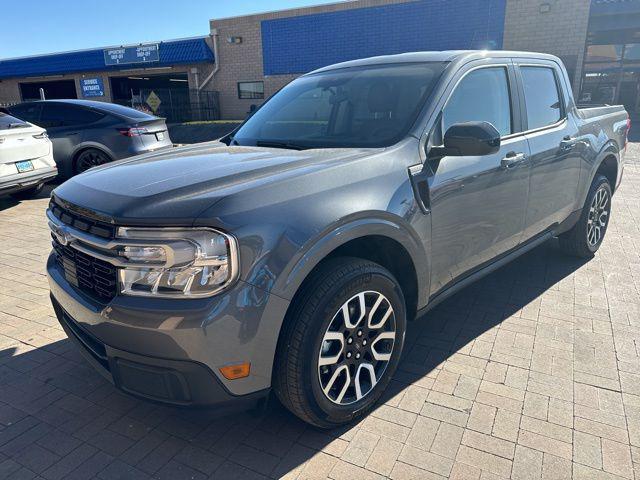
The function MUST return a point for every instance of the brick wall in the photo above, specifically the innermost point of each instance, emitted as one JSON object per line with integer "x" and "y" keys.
{"x": 303, "y": 43}
{"x": 558, "y": 27}
{"x": 340, "y": 33}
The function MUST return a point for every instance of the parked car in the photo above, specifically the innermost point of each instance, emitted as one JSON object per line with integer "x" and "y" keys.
{"x": 290, "y": 255}
{"x": 26, "y": 160}
{"x": 87, "y": 133}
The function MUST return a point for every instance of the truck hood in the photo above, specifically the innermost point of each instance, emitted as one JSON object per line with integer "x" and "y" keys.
{"x": 174, "y": 186}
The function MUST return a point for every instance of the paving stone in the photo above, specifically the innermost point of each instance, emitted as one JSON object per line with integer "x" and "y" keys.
{"x": 616, "y": 458}
{"x": 531, "y": 373}
{"x": 587, "y": 449}
{"x": 527, "y": 463}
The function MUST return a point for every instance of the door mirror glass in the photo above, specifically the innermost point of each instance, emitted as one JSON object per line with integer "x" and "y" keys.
{"x": 469, "y": 139}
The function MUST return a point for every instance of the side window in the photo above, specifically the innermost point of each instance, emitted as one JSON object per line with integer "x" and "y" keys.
{"x": 482, "y": 95}
{"x": 52, "y": 115}
{"x": 27, "y": 112}
{"x": 541, "y": 96}
{"x": 80, "y": 116}
{"x": 58, "y": 115}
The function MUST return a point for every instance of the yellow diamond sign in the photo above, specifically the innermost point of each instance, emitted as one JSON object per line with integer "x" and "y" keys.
{"x": 153, "y": 101}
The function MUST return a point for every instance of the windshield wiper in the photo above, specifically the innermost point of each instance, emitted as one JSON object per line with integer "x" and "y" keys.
{"x": 276, "y": 144}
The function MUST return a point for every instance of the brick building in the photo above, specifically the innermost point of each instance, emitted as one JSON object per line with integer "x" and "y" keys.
{"x": 249, "y": 58}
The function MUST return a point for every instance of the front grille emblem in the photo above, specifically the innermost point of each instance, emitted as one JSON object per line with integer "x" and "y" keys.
{"x": 63, "y": 236}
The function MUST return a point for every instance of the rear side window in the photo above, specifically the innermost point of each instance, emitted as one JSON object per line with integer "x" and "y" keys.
{"x": 59, "y": 115}
{"x": 81, "y": 116}
{"x": 541, "y": 96}
{"x": 481, "y": 96}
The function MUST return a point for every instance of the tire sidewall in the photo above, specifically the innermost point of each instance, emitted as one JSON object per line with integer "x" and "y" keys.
{"x": 598, "y": 183}
{"x": 378, "y": 281}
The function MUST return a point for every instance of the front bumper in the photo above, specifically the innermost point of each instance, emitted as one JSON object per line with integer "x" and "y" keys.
{"x": 171, "y": 351}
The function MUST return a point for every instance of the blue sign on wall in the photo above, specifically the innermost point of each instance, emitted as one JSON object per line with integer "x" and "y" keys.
{"x": 135, "y": 54}
{"x": 303, "y": 43}
{"x": 92, "y": 87}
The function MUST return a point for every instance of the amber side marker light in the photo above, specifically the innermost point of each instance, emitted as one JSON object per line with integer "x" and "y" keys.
{"x": 235, "y": 371}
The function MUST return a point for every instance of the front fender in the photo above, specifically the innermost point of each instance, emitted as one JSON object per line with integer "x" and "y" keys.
{"x": 321, "y": 245}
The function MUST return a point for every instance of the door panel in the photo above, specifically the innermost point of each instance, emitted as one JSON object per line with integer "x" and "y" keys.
{"x": 477, "y": 210}
{"x": 553, "y": 143}
{"x": 555, "y": 174}
{"x": 478, "y": 204}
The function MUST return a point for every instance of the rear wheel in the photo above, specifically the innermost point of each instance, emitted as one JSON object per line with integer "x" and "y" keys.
{"x": 92, "y": 157}
{"x": 341, "y": 342}
{"x": 28, "y": 193}
{"x": 586, "y": 236}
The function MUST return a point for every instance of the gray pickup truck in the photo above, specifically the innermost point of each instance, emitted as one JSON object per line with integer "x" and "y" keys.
{"x": 289, "y": 255}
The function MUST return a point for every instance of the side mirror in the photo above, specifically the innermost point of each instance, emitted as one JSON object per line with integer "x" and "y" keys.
{"x": 468, "y": 139}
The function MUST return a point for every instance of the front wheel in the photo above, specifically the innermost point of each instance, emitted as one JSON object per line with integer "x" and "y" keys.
{"x": 341, "y": 342}
{"x": 586, "y": 236}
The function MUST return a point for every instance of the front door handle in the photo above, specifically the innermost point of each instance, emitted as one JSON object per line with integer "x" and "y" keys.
{"x": 512, "y": 159}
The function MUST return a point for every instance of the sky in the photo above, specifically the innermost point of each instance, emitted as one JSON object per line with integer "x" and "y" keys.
{"x": 31, "y": 27}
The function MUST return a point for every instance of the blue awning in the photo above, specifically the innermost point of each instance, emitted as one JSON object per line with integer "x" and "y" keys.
{"x": 172, "y": 52}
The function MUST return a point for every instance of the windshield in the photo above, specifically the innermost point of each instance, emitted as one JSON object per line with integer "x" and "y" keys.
{"x": 7, "y": 122}
{"x": 372, "y": 106}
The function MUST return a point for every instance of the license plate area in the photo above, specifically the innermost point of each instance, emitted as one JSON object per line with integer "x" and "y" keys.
{"x": 24, "y": 166}
{"x": 160, "y": 136}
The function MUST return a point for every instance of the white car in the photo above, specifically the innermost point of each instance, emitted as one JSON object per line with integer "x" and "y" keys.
{"x": 26, "y": 158}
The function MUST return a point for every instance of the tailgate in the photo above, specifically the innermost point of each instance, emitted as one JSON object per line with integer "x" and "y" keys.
{"x": 19, "y": 144}
{"x": 156, "y": 134}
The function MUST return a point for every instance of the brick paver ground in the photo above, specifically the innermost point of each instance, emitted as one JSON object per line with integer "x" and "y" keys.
{"x": 531, "y": 373}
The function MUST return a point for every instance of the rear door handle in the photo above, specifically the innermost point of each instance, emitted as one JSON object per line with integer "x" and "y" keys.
{"x": 512, "y": 159}
{"x": 567, "y": 143}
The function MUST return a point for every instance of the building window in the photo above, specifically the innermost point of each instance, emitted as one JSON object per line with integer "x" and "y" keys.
{"x": 250, "y": 89}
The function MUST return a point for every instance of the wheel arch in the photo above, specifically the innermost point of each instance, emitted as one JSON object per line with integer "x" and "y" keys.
{"x": 83, "y": 147}
{"x": 607, "y": 163}
{"x": 362, "y": 238}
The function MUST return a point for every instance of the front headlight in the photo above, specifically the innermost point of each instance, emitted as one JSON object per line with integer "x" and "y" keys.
{"x": 176, "y": 262}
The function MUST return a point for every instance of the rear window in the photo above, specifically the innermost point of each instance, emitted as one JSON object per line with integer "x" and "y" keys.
{"x": 125, "y": 111}
{"x": 541, "y": 96}
{"x": 7, "y": 122}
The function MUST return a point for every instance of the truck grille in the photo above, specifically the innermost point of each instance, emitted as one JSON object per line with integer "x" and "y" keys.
{"x": 94, "y": 277}
{"x": 82, "y": 223}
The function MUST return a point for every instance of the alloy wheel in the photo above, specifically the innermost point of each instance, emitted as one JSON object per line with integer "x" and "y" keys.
{"x": 90, "y": 158}
{"x": 356, "y": 347}
{"x": 598, "y": 217}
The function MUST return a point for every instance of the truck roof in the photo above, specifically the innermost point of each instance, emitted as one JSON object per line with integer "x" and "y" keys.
{"x": 440, "y": 56}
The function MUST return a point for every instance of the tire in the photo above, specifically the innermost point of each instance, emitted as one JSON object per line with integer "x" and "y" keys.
{"x": 28, "y": 193}
{"x": 91, "y": 157}
{"x": 316, "y": 330}
{"x": 586, "y": 236}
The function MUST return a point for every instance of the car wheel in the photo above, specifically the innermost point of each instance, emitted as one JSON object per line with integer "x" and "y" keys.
{"x": 28, "y": 193}
{"x": 586, "y": 236}
{"x": 89, "y": 158}
{"x": 341, "y": 342}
